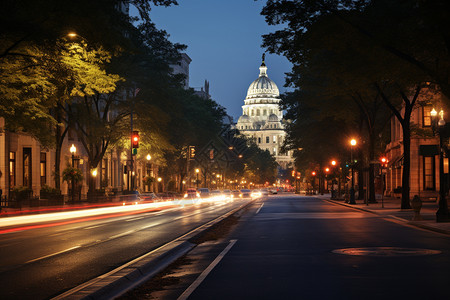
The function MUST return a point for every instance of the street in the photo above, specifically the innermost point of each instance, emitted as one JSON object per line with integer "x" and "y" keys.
{"x": 289, "y": 247}
{"x": 38, "y": 263}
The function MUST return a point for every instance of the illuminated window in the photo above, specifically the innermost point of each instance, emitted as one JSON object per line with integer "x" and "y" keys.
{"x": 43, "y": 168}
{"x": 429, "y": 180}
{"x": 27, "y": 167}
{"x": 426, "y": 116}
{"x": 274, "y": 138}
{"x": 12, "y": 169}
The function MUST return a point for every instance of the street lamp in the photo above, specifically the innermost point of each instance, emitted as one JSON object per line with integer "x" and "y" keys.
{"x": 352, "y": 189}
{"x": 73, "y": 150}
{"x": 442, "y": 214}
{"x": 196, "y": 172}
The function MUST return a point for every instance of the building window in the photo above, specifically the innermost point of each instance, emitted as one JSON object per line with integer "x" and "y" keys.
{"x": 257, "y": 112}
{"x": 274, "y": 151}
{"x": 259, "y": 140}
{"x": 274, "y": 138}
{"x": 27, "y": 167}
{"x": 267, "y": 139}
{"x": 12, "y": 169}
{"x": 43, "y": 168}
{"x": 426, "y": 110}
{"x": 429, "y": 178}
{"x": 253, "y": 112}
{"x": 265, "y": 112}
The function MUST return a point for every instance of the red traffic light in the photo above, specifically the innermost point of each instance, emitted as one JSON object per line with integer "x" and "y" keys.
{"x": 384, "y": 161}
{"x": 135, "y": 139}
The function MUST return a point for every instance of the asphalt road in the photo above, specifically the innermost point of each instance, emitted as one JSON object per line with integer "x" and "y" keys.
{"x": 40, "y": 262}
{"x": 288, "y": 248}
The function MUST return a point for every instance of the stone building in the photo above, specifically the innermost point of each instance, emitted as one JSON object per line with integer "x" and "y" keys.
{"x": 262, "y": 120}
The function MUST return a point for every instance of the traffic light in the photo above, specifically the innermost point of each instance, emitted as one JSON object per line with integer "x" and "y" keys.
{"x": 384, "y": 161}
{"x": 313, "y": 173}
{"x": 191, "y": 152}
{"x": 135, "y": 139}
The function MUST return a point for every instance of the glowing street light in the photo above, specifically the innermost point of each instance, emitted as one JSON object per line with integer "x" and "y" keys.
{"x": 352, "y": 189}
{"x": 73, "y": 150}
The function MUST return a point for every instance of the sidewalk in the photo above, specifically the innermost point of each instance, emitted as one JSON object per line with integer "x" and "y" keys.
{"x": 390, "y": 207}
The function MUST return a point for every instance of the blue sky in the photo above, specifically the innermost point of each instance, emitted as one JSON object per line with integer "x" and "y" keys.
{"x": 224, "y": 42}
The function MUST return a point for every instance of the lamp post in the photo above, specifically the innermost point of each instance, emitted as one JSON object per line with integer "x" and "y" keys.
{"x": 313, "y": 173}
{"x": 196, "y": 172}
{"x": 73, "y": 150}
{"x": 352, "y": 189}
{"x": 442, "y": 214}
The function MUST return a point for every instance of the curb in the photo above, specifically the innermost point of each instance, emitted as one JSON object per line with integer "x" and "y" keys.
{"x": 130, "y": 275}
{"x": 413, "y": 223}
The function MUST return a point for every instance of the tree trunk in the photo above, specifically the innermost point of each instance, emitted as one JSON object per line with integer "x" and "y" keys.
{"x": 406, "y": 164}
{"x": 371, "y": 196}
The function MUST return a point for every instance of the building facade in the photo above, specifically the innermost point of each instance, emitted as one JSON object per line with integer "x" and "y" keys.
{"x": 424, "y": 156}
{"x": 262, "y": 120}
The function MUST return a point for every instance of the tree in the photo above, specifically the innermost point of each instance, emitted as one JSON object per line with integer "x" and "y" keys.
{"x": 340, "y": 31}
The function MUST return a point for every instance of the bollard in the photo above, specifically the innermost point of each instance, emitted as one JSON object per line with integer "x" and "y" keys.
{"x": 416, "y": 204}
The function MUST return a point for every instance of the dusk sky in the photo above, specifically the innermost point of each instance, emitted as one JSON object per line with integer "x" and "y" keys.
{"x": 224, "y": 42}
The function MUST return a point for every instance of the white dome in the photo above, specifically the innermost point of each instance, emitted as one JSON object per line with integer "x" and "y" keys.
{"x": 244, "y": 119}
{"x": 263, "y": 86}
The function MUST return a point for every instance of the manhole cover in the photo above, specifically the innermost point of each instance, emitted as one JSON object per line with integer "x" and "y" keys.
{"x": 386, "y": 251}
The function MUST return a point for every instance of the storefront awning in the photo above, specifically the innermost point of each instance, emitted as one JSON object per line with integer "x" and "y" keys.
{"x": 429, "y": 150}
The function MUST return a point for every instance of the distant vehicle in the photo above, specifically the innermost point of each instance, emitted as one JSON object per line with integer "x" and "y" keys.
{"x": 235, "y": 193}
{"x": 264, "y": 192}
{"x": 149, "y": 197}
{"x": 245, "y": 193}
{"x": 204, "y": 193}
{"x": 191, "y": 194}
{"x": 273, "y": 191}
{"x": 132, "y": 197}
{"x": 256, "y": 193}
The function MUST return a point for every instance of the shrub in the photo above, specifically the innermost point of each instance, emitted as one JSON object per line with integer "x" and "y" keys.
{"x": 70, "y": 173}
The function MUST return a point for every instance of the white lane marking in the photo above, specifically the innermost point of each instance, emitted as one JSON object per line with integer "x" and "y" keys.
{"x": 151, "y": 225}
{"x": 134, "y": 219}
{"x": 120, "y": 234}
{"x": 50, "y": 255}
{"x": 95, "y": 226}
{"x": 259, "y": 208}
{"x": 206, "y": 272}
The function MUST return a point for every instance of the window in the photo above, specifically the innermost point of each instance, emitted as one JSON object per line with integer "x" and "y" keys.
{"x": 12, "y": 169}
{"x": 27, "y": 167}
{"x": 274, "y": 151}
{"x": 43, "y": 168}
{"x": 274, "y": 138}
{"x": 426, "y": 110}
{"x": 253, "y": 112}
{"x": 267, "y": 139}
{"x": 259, "y": 140}
{"x": 265, "y": 112}
{"x": 257, "y": 112}
{"x": 429, "y": 180}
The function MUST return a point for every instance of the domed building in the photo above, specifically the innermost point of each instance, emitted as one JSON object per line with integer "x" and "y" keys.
{"x": 262, "y": 118}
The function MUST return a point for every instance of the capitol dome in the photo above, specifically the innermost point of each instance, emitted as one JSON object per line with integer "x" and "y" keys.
{"x": 263, "y": 86}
